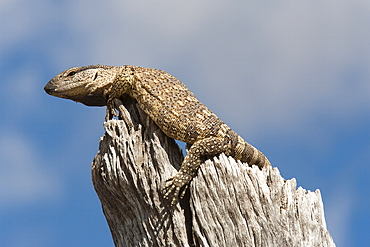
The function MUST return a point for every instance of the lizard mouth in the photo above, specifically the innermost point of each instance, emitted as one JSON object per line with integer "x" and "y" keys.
{"x": 49, "y": 88}
{"x": 92, "y": 99}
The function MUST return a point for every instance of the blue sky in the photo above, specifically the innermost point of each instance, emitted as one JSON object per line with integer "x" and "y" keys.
{"x": 291, "y": 77}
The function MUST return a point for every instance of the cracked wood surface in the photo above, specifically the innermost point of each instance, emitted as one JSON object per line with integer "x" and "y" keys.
{"x": 229, "y": 204}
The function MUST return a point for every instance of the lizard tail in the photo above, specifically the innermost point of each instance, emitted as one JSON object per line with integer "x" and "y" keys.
{"x": 245, "y": 152}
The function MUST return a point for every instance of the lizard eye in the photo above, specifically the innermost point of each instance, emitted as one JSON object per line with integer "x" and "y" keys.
{"x": 72, "y": 73}
{"x": 95, "y": 76}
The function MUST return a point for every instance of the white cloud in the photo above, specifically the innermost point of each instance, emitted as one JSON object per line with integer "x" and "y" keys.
{"x": 23, "y": 179}
{"x": 279, "y": 65}
{"x": 284, "y": 61}
{"x": 301, "y": 59}
{"x": 288, "y": 62}
{"x": 21, "y": 20}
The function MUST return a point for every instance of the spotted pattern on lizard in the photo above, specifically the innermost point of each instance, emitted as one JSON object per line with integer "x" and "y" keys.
{"x": 169, "y": 103}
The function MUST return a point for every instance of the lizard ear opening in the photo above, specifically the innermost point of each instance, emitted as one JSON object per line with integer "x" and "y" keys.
{"x": 95, "y": 76}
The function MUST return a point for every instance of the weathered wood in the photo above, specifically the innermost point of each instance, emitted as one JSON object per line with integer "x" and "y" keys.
{"x": 230, "y": 204}
{"x": 249, "y": 207}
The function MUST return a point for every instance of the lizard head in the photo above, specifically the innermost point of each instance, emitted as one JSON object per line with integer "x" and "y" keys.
{"x": 87, "y": 85}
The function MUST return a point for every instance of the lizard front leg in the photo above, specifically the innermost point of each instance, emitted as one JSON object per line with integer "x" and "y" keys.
{"x": 120, "y": 87}
{"x": 176, "y": 186}
{"x": 110, "y": 111}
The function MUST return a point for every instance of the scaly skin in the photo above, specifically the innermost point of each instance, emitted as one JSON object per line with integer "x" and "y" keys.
{"x": 170, "y": 104}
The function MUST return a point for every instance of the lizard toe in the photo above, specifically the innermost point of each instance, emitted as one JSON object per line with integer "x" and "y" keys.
{"x": 175, "y": 189}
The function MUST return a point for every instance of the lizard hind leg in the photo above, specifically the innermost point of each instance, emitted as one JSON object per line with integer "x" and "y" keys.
{"x": 176, "y": 186}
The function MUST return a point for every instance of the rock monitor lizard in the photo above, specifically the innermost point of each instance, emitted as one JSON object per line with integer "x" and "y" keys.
{"x": 169, "y": 103}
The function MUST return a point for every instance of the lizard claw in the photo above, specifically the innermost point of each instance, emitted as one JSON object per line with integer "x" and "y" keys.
{"x": 175, "y": 188}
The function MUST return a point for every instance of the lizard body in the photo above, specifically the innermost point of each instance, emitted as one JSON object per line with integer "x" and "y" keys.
{"x": 169, "y": 103}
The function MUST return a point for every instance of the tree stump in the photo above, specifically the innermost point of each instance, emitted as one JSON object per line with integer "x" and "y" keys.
{"x": 228, "y": 203}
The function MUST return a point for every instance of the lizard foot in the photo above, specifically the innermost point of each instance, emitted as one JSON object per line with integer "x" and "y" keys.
{"x": 175, "y": 188}
{"x": 111, "y": 112}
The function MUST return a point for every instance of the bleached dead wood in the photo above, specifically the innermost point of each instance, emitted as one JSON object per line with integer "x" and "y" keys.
{"x": 230, "y": 204}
